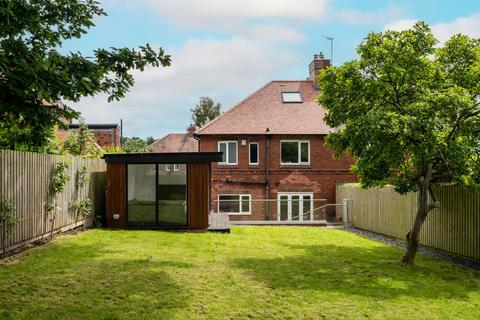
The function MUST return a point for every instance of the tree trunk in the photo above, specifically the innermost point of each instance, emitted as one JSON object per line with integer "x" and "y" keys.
{"x": 423, "y": 207}
{"x": 412, "y": 235}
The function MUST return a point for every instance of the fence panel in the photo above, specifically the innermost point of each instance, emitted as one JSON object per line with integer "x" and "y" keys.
{"x": 26, "y": 180}
{"x": 453, "y": 227}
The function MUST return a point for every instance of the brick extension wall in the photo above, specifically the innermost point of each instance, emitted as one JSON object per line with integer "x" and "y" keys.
{"x": 320, "y": 177}
{"x": 107, "y": 137}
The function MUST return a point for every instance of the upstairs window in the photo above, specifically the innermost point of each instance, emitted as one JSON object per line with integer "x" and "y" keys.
{"x": 295, "y": 152}
{"x": 253, "y": 153}
{"x": 229, "y": 150}
{"x": 291, "y": 97}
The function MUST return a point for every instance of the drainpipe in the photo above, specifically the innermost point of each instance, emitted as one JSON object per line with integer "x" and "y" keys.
{"x": 267, "y": 174}
{"x": 121, "y": 132}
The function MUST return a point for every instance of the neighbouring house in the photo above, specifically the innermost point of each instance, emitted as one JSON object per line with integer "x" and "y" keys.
{"x": 275, "y": 165}
{"x": 106, "y": 134}
{"x": 176, "y": 142}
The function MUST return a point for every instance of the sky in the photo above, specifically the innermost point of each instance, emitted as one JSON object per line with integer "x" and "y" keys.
{"x": 227, "y": 49}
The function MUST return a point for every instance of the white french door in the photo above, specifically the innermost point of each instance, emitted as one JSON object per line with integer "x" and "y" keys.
{"x": 292, "y": 206}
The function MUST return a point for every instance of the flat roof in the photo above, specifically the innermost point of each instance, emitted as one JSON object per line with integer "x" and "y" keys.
{"x": 95, "y": 126}
{"x": 163, "y": 157}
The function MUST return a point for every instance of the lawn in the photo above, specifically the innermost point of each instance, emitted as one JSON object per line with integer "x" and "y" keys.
{"x": 254, "y": 272}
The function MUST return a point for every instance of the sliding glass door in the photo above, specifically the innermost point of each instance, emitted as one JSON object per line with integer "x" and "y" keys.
{"x": 141, "y": 195}
{"x": 172, "y": 195}
{"x": 157, "y": 195}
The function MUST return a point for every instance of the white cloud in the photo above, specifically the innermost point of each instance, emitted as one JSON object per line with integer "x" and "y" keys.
{"x": 469, "y": 26}
{"x": 161, "y": 98}
{"x": 400, "y": 25}
{"x": 221, "y": 14}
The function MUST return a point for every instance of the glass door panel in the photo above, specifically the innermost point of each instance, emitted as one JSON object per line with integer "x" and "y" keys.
{"x": 283, "y": 207}
{"x": 172, "y": 195}
{"x": 295, "y": 213}
{"x": 307, "y": 207}
{"x": 141, "y": 209}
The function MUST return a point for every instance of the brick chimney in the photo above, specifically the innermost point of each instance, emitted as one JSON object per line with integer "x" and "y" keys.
{"x": 191, "y": 130}
{"x": 319, "y": 62}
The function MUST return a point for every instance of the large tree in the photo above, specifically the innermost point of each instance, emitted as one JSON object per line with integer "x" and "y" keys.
{"x": 134, "y": 145}
{"x": 205, "y": 111}
{"x": 34, "y": 76}
{"x": 407, "y": 109}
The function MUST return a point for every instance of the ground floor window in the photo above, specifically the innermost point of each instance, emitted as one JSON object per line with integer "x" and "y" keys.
{"x": 234, "y": 203}
{"x": 295, "y": 206}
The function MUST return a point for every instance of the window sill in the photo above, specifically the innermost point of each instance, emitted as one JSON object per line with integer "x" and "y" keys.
{"x": 238, "y": 214}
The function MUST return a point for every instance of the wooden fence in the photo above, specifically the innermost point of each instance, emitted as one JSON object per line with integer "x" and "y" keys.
{"x": 25, "y": 179}
{"x": 453, "y": 227}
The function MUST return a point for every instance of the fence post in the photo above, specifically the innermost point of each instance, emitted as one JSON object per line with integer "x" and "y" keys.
{"x": 345, "y": 213}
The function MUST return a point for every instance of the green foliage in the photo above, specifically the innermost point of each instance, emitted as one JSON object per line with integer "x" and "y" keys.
{"x": 82, "y": 143}
{"x": 112, "y": 149}
{"x": 82, "y": 176}
{"x": 60, "y": 176}
{"x": 50, "y": 207}
{"x": 135, "y": 144}
{"x": 35, "y": 77}
{"x": 407, "y": 107}
{"x": 150, "y": 140}
{"x": 82, "y": 206}
{"x": 7, "y": 219}
{"x": 205, "y": 111}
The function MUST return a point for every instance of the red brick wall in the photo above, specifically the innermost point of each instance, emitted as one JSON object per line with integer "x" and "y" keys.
{"x": 319, "y": 177}
{"x": 107, "y": 137}
{"x": 104, "y": 137}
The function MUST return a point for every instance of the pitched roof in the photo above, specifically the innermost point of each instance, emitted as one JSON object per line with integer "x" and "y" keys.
{"x": 265, "y": 109}
{"x": 175, "y": 142}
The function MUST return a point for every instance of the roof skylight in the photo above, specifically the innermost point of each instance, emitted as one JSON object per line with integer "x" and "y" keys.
{"x": 291, "y": 97}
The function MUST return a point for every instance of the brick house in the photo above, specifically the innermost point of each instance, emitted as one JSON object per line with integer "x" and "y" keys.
{"x": 107, "y": 134}
{"x": 175, "y": 142}
{"x": 273, "y": 145}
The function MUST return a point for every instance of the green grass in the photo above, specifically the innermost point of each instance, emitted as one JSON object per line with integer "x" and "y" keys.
{"x": 254, "y": 272}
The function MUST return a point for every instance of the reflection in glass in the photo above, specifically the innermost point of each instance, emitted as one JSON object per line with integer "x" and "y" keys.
{"x": 172, "y": 196}
{"x": 141, "y": 195}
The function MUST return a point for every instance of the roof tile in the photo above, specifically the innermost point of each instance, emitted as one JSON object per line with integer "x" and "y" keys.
{"x": 265, "y": 109}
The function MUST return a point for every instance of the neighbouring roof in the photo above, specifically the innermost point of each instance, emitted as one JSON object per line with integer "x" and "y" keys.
{"x": 265, "y": 109}
{"x": 175, "y": 142}
{"x": 95, "y": 126}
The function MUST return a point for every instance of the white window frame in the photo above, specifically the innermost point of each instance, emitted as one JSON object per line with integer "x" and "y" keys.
{"x": 258, "y": 154}
{"x": 227, "y": 152}
{"x": 299, "y": 163}
{"x": 291, "y": 92}
{"x": 240, "y": 195}
{"x": 289, "y": 205}
{"x": 172, "y": 167}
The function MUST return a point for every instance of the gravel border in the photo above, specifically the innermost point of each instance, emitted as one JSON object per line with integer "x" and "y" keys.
{"x": 426, "y": 251}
